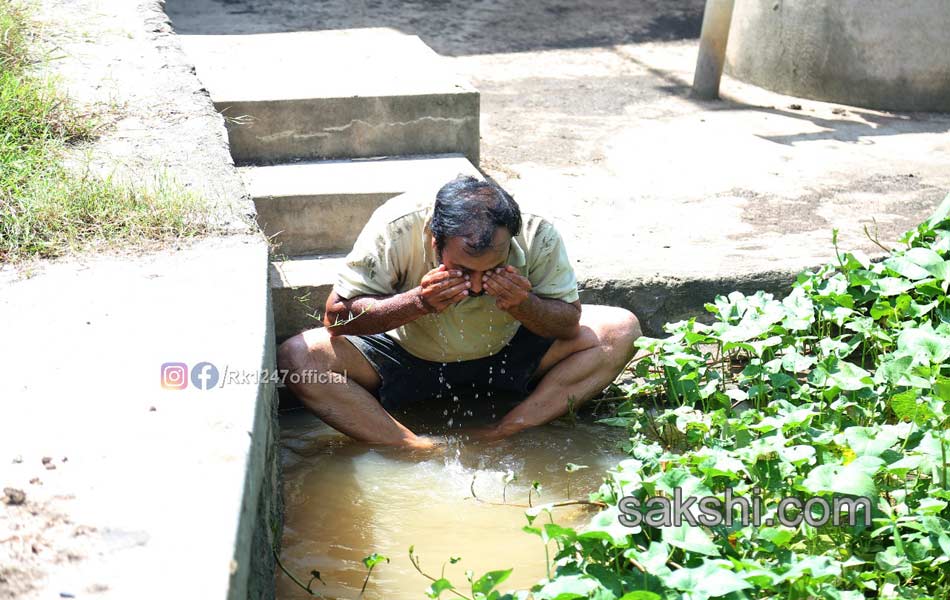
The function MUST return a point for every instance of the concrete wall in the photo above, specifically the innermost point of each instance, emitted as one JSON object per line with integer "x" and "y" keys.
{"x": 161, "y": 493}
{"x": 887, "y": 54}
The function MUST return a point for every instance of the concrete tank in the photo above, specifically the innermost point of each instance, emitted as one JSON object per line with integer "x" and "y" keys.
{"x": 887, "y": 54}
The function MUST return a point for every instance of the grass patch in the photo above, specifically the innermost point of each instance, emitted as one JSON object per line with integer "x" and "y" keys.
{"x": 47, "y": 209}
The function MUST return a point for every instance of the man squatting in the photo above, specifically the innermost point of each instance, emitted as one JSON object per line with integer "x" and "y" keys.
{"x": 460, "y": 291}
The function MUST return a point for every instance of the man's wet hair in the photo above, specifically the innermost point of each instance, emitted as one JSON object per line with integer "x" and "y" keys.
{"x": 472, "y": 209}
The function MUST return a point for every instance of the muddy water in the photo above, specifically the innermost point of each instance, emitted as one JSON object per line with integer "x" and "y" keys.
{"x": 346, "y": 500}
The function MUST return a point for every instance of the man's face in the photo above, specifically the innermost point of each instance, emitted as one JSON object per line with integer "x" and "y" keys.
{"x": 456, "y": 256}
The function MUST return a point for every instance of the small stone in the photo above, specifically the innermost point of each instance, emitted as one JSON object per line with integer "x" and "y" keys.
{"x": 795, "y": 106}
{"x": 36, "y": 481}
{"x": 152, "y": 409}
{"x": 50, "y": 467}
{"x": 47, "y": 460}
{"x": 13, "y": 496}
{"x": 17, "y": 459}
{"x": 837, "y": 111}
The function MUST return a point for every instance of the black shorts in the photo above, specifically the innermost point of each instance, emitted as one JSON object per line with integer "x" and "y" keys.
{"x": 407, "y": 379}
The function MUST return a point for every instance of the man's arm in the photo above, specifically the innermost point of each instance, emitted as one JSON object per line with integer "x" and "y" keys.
{"x": 363, "y": 315}
{"x": 549, "y": 317}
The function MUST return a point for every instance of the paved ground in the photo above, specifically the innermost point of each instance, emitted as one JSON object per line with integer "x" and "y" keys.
{"x": 667, "y": 201}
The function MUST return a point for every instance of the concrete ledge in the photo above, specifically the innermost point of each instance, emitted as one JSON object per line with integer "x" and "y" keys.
{"x": 300, "y": 288}
{"x": 320, "y": 207}
{"x": 132, "y": 490}
{"x": 168, "y": 486}
{"x": 657, "y": 303}
{"x": 335, "y": 94}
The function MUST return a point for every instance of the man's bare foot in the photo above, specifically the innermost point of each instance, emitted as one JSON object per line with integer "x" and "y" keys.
{"x": 423, "y": 442}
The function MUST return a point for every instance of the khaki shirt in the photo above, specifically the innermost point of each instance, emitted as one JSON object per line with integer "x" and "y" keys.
{"x": 394, "y": 251}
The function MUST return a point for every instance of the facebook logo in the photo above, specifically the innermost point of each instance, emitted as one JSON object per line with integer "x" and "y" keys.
{"x": 204, "y": 376}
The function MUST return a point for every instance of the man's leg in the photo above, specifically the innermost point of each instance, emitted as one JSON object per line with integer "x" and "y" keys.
{"x": 348, "y": 407}
{"x": 578, "y": 368}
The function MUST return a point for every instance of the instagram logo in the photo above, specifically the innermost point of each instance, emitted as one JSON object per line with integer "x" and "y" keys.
{"x": 174, "y": 376}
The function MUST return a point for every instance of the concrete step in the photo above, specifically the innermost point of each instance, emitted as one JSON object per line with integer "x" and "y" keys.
{"x": 335, "y": 94}
{"x": 320, "y": 207}
{"x": 300, "y": 287}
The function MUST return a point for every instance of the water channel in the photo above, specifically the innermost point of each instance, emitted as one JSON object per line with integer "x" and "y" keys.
{"x": 346, "y": 500}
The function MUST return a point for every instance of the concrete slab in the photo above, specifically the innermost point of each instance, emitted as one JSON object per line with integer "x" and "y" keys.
{"x": 320, "y": 207}
{"x": 665, "y": 201}
{"x": 335, "y": 94}
{"x": 132, "y": 490}
{"x": 300, "y": 288}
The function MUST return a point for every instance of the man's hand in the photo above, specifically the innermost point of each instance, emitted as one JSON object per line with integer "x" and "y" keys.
{"x": 440, "y": 288}
{"x": 508, "y": 286}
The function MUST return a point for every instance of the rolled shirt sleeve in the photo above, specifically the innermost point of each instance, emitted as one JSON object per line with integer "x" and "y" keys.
{"x": 372, "y": 266}
{"x": 550, "y": 270}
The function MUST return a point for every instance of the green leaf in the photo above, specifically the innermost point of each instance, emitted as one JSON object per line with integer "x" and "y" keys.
{"x": 653, "y": 558}
{"x": 779, "y": 536}
{"x": 940, "y": 214}
{"x": 798, "y": 455}
{"x": 870, "y": 441}
{"x": 841, "y": 374}
{"x": 693, "y": 539}
{"x": 490, "y": 581}
{"x": 374, "y": 559}
{"x": 929, "y": 260}
{"x": 891, "y": 286}
{"x": 567, "y": 587}
{"x": 924, "y": 344}
{"x": 606, "y": 525}
{"x": 892, "y": 561}
{"x": 908, "y": 405}
{"x": 816, "y": 567}
{"x": 839, "y": 479}
{"x": 710, "y": 580}
{"x": 438, "y": 586}
{"x": 641, "y": 595}
{"x": 896, "y": 371}
{"x": 553, "y": 531}
{"x": 906, "y": 268}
